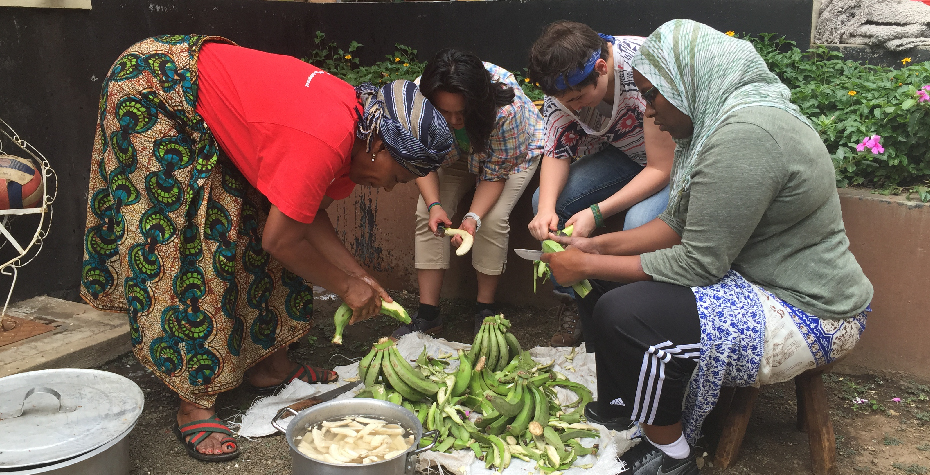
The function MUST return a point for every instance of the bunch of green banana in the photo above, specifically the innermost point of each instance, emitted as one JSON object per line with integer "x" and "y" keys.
{"x": 481, "y": 406}
{"x": 344, "y": 314}
{"x": 541, "y": 269}
{"x": 495, "y": 343}
{"x": 384, "y": 364}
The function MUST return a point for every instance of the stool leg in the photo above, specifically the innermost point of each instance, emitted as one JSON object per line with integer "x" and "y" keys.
{"x": 801, "y": 423}
{"x": 734, "y": 426}
{"x": 820, "y": 434}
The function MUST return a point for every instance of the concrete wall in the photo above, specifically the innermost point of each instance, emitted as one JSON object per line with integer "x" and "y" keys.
{"x": 890, "y": 238}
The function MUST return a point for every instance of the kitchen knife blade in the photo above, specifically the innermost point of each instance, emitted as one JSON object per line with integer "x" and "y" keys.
{"x": 529, "y": 254}
{"x": 319, "y": 398}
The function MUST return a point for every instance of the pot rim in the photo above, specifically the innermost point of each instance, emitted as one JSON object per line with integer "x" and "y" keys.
{"x": 300, "y": 416}
{"x": 78, "y": 391}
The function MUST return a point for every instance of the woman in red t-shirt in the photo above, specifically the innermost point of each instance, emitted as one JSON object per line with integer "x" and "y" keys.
{"x": 212, "y": 169}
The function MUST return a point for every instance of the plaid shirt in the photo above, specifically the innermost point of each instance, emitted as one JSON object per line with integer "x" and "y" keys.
{"x": 516, "y": 143}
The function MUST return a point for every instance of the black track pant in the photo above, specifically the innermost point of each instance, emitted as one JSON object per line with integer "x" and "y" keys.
{"x": 648, "y": 340}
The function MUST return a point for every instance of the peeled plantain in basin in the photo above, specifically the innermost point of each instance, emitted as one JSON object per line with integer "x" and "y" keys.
{"x": 344, "y": 314}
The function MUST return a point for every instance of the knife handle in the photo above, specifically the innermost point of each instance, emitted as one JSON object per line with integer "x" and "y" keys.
{"x": 301, "y": 405}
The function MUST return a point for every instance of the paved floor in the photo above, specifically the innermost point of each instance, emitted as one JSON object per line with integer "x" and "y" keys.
{"x": 83, "y": 337}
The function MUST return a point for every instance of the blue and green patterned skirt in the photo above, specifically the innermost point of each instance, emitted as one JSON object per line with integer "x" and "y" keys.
{"x": 174, "y": 231}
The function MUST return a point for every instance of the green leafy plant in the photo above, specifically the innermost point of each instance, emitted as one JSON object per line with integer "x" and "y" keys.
{"x": 849, "y": 102}
{"x": 403, "y": 64}
{"x": 344, "y": 64}
{"x": 530, "y": 89}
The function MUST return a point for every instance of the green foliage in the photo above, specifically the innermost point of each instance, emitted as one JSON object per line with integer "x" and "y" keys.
{"x": 530, "y": 89}
{"x": 912, "y": 468}
{"x": 845, "y": 100}
{"x": 923, "y": 416}
{"x": 403, "y": 64}
{"x": 889, "y": 440}
{"x": 848, "y": 101}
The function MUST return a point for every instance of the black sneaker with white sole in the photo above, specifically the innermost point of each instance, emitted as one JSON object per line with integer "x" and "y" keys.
{"x": 686, "y": 466}
{"x": 593, "y": 413}
{"x": 641, "y": 459}
{"x": 646, "y": 459}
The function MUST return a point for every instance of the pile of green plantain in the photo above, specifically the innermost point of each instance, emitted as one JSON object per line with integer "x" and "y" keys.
{"x": 518, "y": 412}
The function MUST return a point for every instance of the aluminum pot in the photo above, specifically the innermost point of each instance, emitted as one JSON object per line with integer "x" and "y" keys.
{"x": 399, "y": 465}
{"x": 67, "y": 421}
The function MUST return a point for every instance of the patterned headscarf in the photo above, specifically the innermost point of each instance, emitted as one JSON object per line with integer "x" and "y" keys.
{"x": 414, "y": 132}
{"x": 707, "y": 75}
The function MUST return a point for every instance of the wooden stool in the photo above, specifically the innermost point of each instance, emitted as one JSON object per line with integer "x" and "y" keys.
{"x": 736, "y": 404}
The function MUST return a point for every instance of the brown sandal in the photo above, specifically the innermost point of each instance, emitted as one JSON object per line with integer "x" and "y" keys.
{"x": 201, "y": 430}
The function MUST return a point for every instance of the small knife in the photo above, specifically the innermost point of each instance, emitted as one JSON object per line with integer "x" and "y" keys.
{"x": 319, "y": 398}
{"x": 295, "y": 408}
{"x": 529, "y": 254}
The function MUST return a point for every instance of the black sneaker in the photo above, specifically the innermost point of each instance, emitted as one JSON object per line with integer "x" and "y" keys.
{"x": 479, "y": 319}
{"x": 613, "y": 423}
{"x": 417, "y": 324}
{"x": 642, "y": 459}
{"x": 686, "y": 466}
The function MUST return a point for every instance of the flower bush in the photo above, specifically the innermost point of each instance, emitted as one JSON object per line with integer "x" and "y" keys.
{"x": 847, "y": 100}
{"x": 875, "y": 121}
{"x": 403, "y": 64}
{"x": 342, "y": 64}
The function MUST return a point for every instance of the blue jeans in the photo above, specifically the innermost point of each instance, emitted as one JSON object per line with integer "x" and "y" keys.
{"x": 595, "y": 178}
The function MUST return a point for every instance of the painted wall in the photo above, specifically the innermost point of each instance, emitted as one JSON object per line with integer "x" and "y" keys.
{"x": 891, "y": 240}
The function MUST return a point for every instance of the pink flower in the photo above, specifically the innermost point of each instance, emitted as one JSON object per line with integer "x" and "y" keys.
{"x": 923, "y": 96}
{"x": 859, "y": 400}
{"x": 871, "y": 143}
{"x": 926, "y": 87}
{"x": 896, "y": 399}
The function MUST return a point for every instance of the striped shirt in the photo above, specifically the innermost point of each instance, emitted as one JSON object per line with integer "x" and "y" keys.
{"x": 570, "y": 135}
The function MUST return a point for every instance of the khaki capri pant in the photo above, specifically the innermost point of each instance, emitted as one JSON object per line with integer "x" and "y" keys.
{"x": 489, "y": 252}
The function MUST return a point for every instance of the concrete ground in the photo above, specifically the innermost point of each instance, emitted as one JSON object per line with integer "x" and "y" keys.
{"x": 882, "y": 421}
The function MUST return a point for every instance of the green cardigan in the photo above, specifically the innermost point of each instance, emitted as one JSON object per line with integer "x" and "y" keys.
{"x": 763, "y": 202}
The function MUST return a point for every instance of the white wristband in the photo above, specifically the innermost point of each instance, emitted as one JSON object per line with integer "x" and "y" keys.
{"x": 476, "y": 218}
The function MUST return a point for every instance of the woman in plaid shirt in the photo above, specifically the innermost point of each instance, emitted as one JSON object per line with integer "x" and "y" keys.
{"x": 499, "y": 134}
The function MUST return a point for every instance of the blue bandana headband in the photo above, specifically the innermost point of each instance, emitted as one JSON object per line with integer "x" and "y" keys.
{"x": 576, "y": 77}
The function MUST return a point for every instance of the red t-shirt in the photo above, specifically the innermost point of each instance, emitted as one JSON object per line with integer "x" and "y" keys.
{"x": 287, "y": 125}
